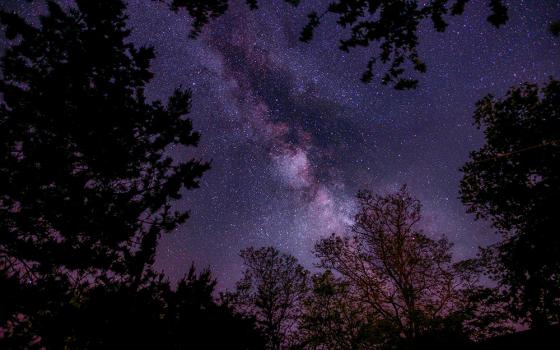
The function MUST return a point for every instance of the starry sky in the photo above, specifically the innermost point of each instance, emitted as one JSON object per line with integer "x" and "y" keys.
{"x": 293, "y": 134}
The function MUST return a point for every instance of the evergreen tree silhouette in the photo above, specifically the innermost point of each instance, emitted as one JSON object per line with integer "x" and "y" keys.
{"x": 86, "y": 180}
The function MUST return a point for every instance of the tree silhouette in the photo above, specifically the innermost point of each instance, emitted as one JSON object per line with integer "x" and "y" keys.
{"x": 513, "y": 181}
{"x": 155, "y": 316}
{"x": 198, "y": 318}
{"x": 331, "y": 320}
{"x": 401, "y": 276}
{"x": 86, "y": 183}
{"x": 392, "y": 24}
{"x": 271, "y": 290}
{"x": 203, "y": 11}
{"x": 86, "y": 180}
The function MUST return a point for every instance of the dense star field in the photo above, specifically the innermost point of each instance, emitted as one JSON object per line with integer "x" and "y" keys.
{"x": 293, "y": 134}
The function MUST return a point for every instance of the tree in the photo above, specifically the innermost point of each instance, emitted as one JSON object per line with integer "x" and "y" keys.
{"x": 196, "y": 318}
{"x": 120, "y": 315}
{"x": 331, "y": 320}
{"x": 271, "y": 290}
{"x": 157, "y": 316}
{"x": 392, "y": 24}
{"x": 514, "y": 181}
{"x": 403, "y": 277}
{"x": 86, "y": 180}
{"x": 203, "y": 11}
{"x": 86, "y": 183}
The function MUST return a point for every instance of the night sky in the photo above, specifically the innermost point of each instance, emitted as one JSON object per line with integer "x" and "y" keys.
{"x": 293, "y": 134}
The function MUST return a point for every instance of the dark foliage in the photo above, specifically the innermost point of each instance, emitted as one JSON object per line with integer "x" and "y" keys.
{"x": 85, "y": 180}
{"x": 546, "y": 338}
{"x": 393, "y": 25}
{"x": 331, "y": 319}
{"x": 86, "y": 190}
{"x": 203, "y": 11}
{"x": 404, "y": 281}
{"x": 271, "y": 291}
{"x": 158, "y": 317}
{"x": 514, "y": 181}
{"x": 197, "y": 319}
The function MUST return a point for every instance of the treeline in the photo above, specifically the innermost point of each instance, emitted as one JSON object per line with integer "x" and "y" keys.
{"x": 386, "y": 285}
{"x": 87, "y": 188}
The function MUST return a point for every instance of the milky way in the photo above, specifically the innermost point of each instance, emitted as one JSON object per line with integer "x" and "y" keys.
{"x": 293, "y": 134}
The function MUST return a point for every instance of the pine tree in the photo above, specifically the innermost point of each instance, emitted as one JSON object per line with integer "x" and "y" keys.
{"x": 86, "y": 177}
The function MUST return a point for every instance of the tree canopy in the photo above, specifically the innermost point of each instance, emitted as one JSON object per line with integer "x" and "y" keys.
{"x": 271, "y": 290}
{"x": 331, "y": 319}
{"x": 391, "y": 25}
{"x": 513, "y": 180}
{"x": 87, "y": 185}
{"x": 86, "y": 180}
{"x": 406, "y": 280}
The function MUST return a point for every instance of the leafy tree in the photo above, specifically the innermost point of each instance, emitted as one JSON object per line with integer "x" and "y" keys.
{"x": 271, "y": 290}
{"x": 116, "y": 315}
{"x": 398, "y": 273}
{"x": 514, "y": 181}
{"x": 394, "y": 25}
{"x": 16, "y": 331}
{"x": 156, "y": 316}
{"x": 331, "y": 320}
{"x": 198, "y": 319}
{"x": 203, "y": 11}
{"x": 391, "y": 24}
{"x": 86, "y": 180}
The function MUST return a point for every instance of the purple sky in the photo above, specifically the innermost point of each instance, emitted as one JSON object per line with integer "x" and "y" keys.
{"x": 293, "y": 134}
